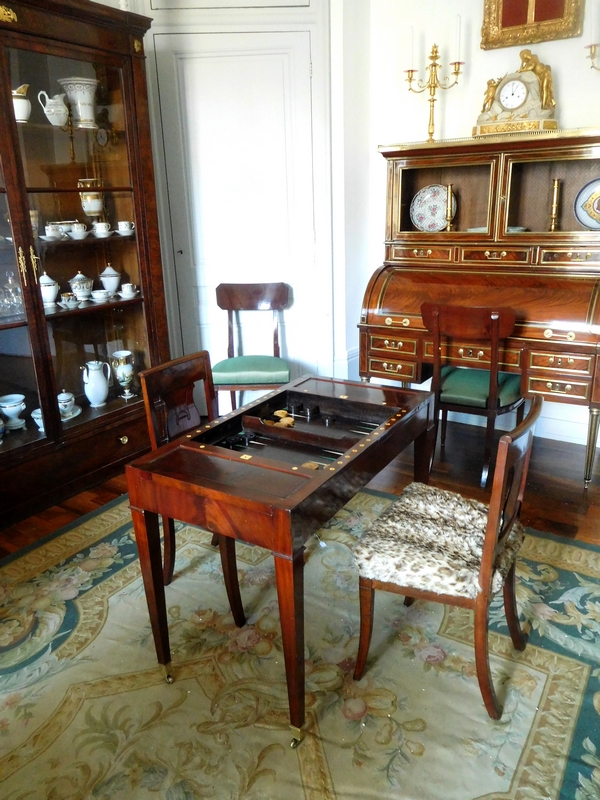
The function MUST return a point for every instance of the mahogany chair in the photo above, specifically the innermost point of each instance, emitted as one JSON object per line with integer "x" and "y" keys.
{"x": 168, "y": 392}
{"x": 482, "y": 390}
{"x": 432, "y": 544}
{"x": 239, "y": 372}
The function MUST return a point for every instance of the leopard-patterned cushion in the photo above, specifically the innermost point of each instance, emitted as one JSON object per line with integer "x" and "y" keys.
{"x": 432, "y": 539}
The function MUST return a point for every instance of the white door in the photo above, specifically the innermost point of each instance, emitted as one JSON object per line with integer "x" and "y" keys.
{"x": 237, "y": 130}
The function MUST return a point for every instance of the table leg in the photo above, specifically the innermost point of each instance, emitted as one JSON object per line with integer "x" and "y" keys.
{"x": 289, "y": 575}
{"x": 424, "y": 447}
{"x": 147, "y": 536}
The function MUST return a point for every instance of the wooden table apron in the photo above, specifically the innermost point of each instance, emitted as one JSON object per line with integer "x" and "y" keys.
{"x": 281, "y": 524}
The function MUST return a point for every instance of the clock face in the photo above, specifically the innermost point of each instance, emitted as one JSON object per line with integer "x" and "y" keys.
{"x": 102, "y": 137}
{"x": 513, "y": 94}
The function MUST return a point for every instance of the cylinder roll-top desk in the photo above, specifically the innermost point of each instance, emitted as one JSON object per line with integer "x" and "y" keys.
{"x": 510, "y": 221}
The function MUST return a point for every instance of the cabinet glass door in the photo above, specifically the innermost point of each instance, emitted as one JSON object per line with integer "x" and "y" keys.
{"x": 19, "y": 396}
{"x": 553, "y": 196}
{"x": 74, "y": 149}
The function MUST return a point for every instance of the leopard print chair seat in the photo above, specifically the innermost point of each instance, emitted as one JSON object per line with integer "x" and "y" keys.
{"x": 432, "y": 539}
{"x": 432, "y": 544}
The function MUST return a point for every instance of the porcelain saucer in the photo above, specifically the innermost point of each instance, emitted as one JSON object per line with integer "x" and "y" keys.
{"x": 103, "y": 235}
{"x": 78, "y": 235}
{"x": 75, "y": 413}
{"x": 125, "y": 233}
{"x": 51, "y": 238}
{"x": 128, "y": 296}
{"x": 96, "y": 300}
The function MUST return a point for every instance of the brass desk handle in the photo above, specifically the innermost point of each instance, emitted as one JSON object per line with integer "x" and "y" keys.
{"x": 579, "y": 256}
{"x": 392, "y": 367}
{"x": 392, "y": 345}
{"x": 421, "y": 253}
{"x": 494, "y": 255}
{"x": 555, "y": 387}
{"x": 559, "y": 361}
{"x": 470, "y": 353}
{"x": 123, "y": 439}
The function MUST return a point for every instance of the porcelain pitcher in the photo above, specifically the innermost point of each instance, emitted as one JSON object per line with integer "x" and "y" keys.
{"x": 55, "y": 109}
{"x": 95, "y": 382}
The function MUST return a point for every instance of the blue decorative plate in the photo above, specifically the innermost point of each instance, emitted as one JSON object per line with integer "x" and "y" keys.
{"x": 587, "y": 205}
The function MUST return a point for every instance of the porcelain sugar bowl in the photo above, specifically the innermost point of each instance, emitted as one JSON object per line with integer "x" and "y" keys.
{"x": 110, "y": 279}
{"x": 11, "y": 406}
{"x": 49, "y": 289}
{"x": 81, "y": 286}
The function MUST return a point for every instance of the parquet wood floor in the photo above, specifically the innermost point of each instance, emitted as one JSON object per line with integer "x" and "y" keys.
{"x": 555, "y": 500}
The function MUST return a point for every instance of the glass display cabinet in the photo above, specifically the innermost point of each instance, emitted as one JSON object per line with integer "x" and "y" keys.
{"x": 81, "y": 291}
{"x": 508, "y": 221}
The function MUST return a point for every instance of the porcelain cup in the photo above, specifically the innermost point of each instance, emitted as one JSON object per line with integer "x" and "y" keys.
{"x": 125, "y": 226}
{"x": 36, "y": 416}
{"x": 101, "y": 294}
{"x": 128, "y": 288}
{"x": 69, "y": 300}
{"x": 101, "y": 228}
{"x": 53, "y": 229}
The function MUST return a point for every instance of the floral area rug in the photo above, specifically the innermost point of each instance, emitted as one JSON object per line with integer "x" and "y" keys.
{"x": 86, "y": 713}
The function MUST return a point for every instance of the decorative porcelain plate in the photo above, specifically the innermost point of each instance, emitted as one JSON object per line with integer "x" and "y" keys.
{"x": 587, "y": 205}
{"x": 428, "y": 208}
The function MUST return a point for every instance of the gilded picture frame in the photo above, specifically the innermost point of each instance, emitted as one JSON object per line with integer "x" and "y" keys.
{"x": 516, "y": 22}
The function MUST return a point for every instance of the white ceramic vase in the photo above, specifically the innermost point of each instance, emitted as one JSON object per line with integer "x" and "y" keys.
{"x": 95, "y": 382}
{"x": 81, "y": 93}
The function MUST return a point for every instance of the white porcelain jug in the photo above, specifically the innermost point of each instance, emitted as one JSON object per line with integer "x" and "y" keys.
{"x": 21, "y": 104}
{"x": 54, "y": 108}
{"x": 95, "y": 382}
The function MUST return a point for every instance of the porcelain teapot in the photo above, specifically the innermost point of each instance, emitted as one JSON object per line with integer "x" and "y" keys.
{"x": 55, "y": 108}
{"x": 95, "y": 382}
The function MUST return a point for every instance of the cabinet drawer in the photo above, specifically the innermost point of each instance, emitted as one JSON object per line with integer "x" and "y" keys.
{"x": 555, "y": 390}
{"x": 391, "y": 368}
{"x": 495, "y": 254}
{"x": 420, "y": 253}
{"x": 569, "y": 256}
{"x": 562, "y": 362}
{"x": 473, "y": 355}
{"x": 393, "y": 344}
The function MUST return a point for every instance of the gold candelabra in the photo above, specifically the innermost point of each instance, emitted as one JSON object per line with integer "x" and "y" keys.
{"x": 433, "y": 83}
{"x": 593, "y": 48}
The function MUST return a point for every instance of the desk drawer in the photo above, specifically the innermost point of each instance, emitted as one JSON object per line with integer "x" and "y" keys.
{"x": 474, "y": 356}
{"x": 562, "y": 362}
{"x": 397, "y": 253}
{"x": 571, "y": 391}
{"x": 495, "y": 255}
{"x": 569, "y": 256}
{"x": 392, "y": 368}
{"x": 393, "y": 344}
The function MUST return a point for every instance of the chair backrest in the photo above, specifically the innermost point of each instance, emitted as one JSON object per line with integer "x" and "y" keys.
{"x": 168, "y": 392}
{"x": 483, "y": 324}
{"x": 508, "y": 487}
{"x": 235, "y": 297}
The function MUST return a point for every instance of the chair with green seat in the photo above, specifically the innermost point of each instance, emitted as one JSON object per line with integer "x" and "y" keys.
{"x": 239, "y": 372}
{"x": 475, "y": 335}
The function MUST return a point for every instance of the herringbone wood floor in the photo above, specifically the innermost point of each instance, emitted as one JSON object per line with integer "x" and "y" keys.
{"x": 555, "y": 500}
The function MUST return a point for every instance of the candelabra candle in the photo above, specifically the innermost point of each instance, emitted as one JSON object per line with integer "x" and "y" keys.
{"x": 433, "y": 83}
{"x": 449, "y": 207}
{"x": 593, "y": 48}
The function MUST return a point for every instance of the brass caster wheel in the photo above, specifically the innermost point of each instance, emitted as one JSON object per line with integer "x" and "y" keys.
{"x": 298, "y": 736}
{"x": 294, "y": 743}
{"x": 169, "y": 679}
{"x": 167, "y": 673}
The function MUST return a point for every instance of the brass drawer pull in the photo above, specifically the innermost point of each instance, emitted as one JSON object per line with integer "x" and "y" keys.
{"x": 392, "y": 345}
{"x": 392, "y": 367}
{"x": 579, "y": 256}
{"x": 406, "y": 322}
{"x": 555, "y": 387}
{"x": 124, "y": 439}
{"x": 494, "y": 255}
{"x": 421, "y": 253}
{"x": 470, "y": 353}
{"x": 559, "y": 361}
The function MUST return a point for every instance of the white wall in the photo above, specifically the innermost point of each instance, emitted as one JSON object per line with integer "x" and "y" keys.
{"x": 370, "y": 43}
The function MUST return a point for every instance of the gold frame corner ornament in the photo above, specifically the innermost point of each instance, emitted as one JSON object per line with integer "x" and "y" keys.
{"x": 7, "y": 14}
{"x": 137, "y": 45}
{"x": 493, "y": 35}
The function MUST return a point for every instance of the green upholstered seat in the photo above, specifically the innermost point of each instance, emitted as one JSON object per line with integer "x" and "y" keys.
{"x": 470, "y": 387}
{"x": 251, "y": 370}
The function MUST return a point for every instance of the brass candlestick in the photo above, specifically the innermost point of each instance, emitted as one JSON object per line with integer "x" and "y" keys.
{"x": 554, "y": 208}
{"x": 433, "y": 83}
{"x": 449, "y": 207}
{"x": 593, "y": 48}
